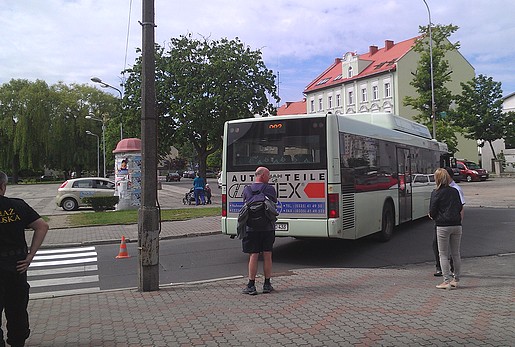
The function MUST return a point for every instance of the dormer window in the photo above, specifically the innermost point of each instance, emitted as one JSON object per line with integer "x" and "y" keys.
{"x": 349, "y": 72}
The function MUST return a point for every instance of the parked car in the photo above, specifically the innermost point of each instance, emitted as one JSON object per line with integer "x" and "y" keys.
{"x": 189, "y": 174}
{"x": 422, "y": 179}
{"x": 471, "y": 171}
{"x": 458, "y": 177}
{"x": 71, "y": 193}
{"x": 173, "y": 177}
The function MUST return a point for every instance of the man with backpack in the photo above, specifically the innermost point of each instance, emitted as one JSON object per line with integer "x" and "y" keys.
{"x": 259, "y": 233}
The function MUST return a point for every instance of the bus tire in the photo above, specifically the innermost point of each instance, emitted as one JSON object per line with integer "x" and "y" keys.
{"x": 387, "y": 222}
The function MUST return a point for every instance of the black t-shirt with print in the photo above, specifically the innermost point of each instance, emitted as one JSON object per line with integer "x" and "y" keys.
{"x": 15, "y": 216}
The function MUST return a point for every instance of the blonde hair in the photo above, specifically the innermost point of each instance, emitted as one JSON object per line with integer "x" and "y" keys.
{"x": 442, "y": 178}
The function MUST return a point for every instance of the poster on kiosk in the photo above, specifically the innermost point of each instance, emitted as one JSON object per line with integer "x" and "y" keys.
{"x": 127, "y": 168}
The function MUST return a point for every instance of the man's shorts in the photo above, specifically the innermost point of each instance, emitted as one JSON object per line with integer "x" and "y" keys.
{"x": 257, "y": 241}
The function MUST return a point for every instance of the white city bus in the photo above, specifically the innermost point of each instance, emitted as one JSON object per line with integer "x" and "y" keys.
{"x": 336, "y": 176}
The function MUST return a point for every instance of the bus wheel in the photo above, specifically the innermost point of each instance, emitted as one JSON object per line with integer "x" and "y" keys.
{"x": 387, "y": 222}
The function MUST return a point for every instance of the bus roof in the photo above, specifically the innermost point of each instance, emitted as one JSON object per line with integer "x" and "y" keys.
{"x": 381, "y": 125}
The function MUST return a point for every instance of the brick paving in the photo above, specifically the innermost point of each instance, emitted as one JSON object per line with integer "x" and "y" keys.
{"x": 310, "y": 307}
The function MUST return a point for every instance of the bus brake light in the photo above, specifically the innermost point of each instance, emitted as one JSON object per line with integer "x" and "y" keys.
{"x": 333, "y": 208}
{"x": 224, "y": 205}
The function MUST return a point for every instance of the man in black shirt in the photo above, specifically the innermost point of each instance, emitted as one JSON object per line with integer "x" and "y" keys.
{"x": 15, "y": 216}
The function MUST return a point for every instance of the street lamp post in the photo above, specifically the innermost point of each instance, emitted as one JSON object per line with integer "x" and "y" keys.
{"x": 106, "y": 85}
{"x": 98, "y": 151}
{"x": 433, "y": 111}
{"x": 103, "y": 138}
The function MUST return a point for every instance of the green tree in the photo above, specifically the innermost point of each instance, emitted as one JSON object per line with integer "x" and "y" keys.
{"x": 480, "y": 111}
{"x": 201, "y": 84}
{"x": 24, "y": 109}
{"x": 443, "y": 98}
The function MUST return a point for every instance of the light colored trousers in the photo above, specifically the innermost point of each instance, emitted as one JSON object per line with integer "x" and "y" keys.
{"x": 449, "y": 240}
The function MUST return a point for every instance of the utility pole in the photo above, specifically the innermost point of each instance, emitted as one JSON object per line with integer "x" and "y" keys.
{"x": 148, "y": 214}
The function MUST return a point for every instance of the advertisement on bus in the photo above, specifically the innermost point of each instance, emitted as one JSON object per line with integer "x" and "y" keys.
{"x": 300, "y": 194}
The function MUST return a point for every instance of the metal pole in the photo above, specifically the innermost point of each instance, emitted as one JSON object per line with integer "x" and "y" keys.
{"x": 104, "y": 144}
{"x": 148, "y": 216}
{"x": 107, "y": 85}
{"x": 98, "y": 151}
{"x": 433, "y": 110}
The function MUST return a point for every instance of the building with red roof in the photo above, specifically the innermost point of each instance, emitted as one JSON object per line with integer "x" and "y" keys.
{"x": 378, "y": 81}
{"x": 292, "y": 107}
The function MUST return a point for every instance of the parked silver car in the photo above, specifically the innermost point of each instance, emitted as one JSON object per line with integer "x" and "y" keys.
{"x": 71, "y": 193}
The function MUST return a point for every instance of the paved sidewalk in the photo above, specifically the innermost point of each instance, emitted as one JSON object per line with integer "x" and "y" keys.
{"x": 310, "y": 307}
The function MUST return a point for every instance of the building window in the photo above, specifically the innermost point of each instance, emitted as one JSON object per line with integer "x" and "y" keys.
{"x": 338, "y": 100}
{"x": 387, "y": 90}
{"x": 375, "y": 93}
{"x": 351, "y": 97}
{"x": 320, "y": 104}
{"x": 363, "y": 94}
{"x": 349, "y": 72}
{"x": 330, "y": 101}
{"x": 312, "y": 105}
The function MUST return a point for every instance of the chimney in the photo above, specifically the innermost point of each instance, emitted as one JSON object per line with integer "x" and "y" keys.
{"x": 372, "y": 50}
{"x": 337, "y": 60}
{"x": 388, "y": 44}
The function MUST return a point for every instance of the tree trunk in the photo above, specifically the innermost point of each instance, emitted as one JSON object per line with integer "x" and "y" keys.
{"x": 492, "y": 148}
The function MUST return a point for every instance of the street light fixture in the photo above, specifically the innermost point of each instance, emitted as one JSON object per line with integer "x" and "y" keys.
{"x": 98, "y": 150}
{"x": 433, "y": 111}
{"x": 107, "y": 85}
{"x": 103, "y": 137}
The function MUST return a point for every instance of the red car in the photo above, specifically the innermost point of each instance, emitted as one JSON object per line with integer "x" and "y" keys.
{"x": 471, "y": 171}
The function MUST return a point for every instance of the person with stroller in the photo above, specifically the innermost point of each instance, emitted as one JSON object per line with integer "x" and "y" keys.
{"x": 198, "y": 186}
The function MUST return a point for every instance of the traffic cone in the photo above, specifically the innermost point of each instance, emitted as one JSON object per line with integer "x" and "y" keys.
{"x": 123, "y": 250}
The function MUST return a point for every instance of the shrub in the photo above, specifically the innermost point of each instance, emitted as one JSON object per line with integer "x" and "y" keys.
{"x": 101, "y": 203}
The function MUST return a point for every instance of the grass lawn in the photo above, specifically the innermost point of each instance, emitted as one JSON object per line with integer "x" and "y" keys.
{"x": 131, "y": 216}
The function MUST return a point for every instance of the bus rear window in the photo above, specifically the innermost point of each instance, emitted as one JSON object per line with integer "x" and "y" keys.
{"x": 287, "y": 144}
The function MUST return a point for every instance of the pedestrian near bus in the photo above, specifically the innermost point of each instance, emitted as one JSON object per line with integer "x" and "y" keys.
{"x": 435, "y": 238}
{"x": 198, "y": 190}
{"x": 260, "y": 231}
{"x": 16, "y": 216}
{"x": 445, "y": 208}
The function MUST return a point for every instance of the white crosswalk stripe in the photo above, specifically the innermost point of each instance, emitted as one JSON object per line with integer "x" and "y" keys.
{"x": 63, "y": 271}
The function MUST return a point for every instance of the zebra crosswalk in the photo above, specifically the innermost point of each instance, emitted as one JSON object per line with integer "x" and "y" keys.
{"x": 63, "y": 271}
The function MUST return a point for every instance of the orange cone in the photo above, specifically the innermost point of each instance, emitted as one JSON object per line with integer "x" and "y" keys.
{"x": 123, "y": 250}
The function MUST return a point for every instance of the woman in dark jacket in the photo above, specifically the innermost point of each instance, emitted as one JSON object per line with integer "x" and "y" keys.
{"x": 445, "y": 209}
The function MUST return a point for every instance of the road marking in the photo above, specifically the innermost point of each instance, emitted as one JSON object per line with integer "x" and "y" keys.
{"x": 67, "y": 270}
{"x": 63, "y": 250}
{"x": 63, "y": 270}
{"x": 63, "y": 262}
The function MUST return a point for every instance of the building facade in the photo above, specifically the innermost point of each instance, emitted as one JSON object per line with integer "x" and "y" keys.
{"x": 378, "y": 81}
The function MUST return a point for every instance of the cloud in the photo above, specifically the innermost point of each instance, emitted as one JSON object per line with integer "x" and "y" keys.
{"x": 71, "y": 41}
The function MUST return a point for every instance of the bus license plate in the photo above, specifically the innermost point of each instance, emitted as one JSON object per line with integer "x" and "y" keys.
{"x": 281, "y": 226}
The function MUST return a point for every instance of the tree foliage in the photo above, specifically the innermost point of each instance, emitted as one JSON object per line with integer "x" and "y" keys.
{"x": 201, "y": 84}
{"x": 480, "y": 111}
{"x": 442, "y": 74}
{"x": 45, "y": 126}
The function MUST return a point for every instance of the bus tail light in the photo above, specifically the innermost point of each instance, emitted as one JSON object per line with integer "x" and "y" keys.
{"x": 224, "y": 205}
{"x": 333, "y": 206}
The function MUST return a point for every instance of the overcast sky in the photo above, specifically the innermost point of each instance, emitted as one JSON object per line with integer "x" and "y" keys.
{"x": 74, "y": 40}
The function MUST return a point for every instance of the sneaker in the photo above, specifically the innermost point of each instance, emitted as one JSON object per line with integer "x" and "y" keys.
{"x": 454, "y": 283}
{"x": 267, "y": 288}
{"x": 444, "y": 285}
{"x": 438, "y": 273}
{"x": 249, "y": 290}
